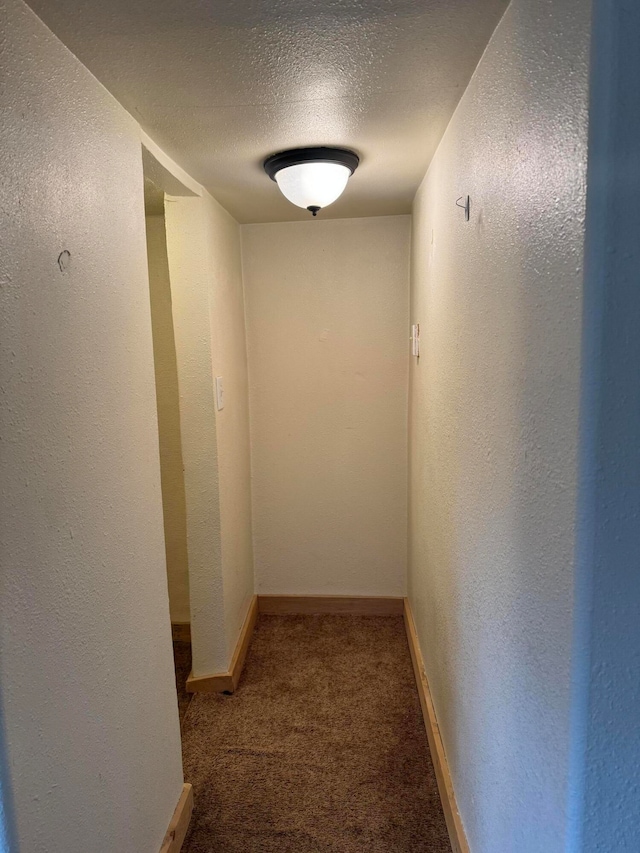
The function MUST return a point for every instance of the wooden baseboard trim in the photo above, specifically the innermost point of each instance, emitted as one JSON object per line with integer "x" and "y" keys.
{"x": 226, "y": 682}
{"x": 445, "y": 785}
{"x": 282, "y": 605}
{"x": 179, "y": 825}
{"x": 181, "y": 632}
{"x": 316, "y": 604}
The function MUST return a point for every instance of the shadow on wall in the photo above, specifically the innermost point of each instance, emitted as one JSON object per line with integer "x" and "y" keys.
{"x": 7, "y": 835}
{"x": 168, "y": 406}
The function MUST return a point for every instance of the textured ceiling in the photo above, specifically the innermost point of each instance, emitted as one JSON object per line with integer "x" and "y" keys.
{"x": 221, "y": 84}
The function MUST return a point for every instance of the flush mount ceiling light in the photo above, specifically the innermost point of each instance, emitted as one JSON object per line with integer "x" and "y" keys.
{"x": 312, "y": 177}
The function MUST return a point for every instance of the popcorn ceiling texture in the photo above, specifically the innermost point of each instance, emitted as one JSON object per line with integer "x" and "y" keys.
{"x": 494, "y": 424}
{"x": 222, "y": 84}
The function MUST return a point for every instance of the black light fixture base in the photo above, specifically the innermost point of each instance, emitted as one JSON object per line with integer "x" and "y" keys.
{"x": 313, "y": 210}
{"x": 321, "y": 154}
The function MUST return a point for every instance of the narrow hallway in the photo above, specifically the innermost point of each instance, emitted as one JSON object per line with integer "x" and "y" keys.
{"x": 322, "y": 748}
{"x": 318, "y": 369}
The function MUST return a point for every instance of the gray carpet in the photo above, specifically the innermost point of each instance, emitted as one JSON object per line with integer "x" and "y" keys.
{"x": 322, "y": 748}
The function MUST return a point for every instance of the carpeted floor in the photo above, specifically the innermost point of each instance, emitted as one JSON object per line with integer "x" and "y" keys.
{"x": 322, "y": 748}
{"x": 182, "y": 662}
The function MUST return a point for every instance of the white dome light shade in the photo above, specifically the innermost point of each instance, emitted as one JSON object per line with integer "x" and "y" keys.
{"x": 312, "y": 185}
{"x": 312, "y": 177}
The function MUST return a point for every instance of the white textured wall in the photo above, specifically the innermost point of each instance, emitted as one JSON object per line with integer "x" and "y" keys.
{"x": 493, "y": 424}
{"x": 205, "y": 266}
{"x": 86, "y": 673}
{"x": 168, "y": 405}
{"x": 229, "y": 360}
{"x": 327, "y": 322}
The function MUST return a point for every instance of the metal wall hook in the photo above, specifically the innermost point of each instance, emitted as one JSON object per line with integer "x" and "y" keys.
{"x": 466, "y": 206}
